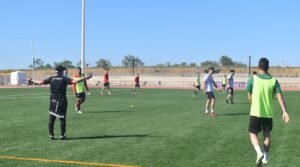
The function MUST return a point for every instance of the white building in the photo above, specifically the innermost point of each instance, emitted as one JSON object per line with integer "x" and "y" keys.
{"x": 18, "y": 78}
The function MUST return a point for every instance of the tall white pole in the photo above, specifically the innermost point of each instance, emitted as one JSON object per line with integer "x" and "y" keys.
{"x": 83, "y": 37}
{"x": 33, "y": 61}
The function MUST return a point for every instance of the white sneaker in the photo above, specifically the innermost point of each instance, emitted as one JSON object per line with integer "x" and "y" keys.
{"x": 76, "y": 109}
{"x": 206, "y": 112}
{"x": 79, "y": 112}
{"x": 264, "y": 161}
{"x": 259, "y": 158}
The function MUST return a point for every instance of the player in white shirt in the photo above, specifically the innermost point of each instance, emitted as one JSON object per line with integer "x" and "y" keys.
{"x": 230, "y": 85}
{"x": 209, "y": 83}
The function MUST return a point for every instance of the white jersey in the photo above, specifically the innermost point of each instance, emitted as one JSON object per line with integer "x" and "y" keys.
{"x": 208, "y": 83}
{"x": 230, "y": 80}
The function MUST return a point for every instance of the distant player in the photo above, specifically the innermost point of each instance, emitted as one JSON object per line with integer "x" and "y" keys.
{"x": 261, "y": 90}
{"x": 79, "y": 90}
{"x": 197, "y": 84}
{"x": 137, "y": 86}
{"x": 106, "y": 83}
{"x": 224, "y": 82}
{"x": 209, "y": 91}
{"x": 230, "y": 85}
{"x": 58, "y": 99}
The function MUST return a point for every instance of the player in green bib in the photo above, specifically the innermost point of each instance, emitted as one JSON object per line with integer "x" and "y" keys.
{"x": 79, "y": 90}
{"x": 224, "y": 81}
{"x": 261, "y": 90}
{"x": 197, "y": 84}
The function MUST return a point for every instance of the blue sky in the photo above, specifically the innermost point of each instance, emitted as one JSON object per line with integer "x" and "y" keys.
{"x": 157, "y": 31}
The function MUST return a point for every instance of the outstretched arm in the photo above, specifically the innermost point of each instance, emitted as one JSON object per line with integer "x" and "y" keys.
{"x": 285, "y": 115}
{"x": 82, "y": 79}
{"x": 38, "y": 82}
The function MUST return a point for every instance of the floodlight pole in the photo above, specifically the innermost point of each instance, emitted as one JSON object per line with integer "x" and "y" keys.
{"x": 249, "y": 66}
{"x": 133, "y": 66}
{"x": 83, "y": 36}
{"x": 33, "y": 61}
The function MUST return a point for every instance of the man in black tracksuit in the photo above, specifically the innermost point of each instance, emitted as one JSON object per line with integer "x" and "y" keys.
{"x": 58, "y": 99}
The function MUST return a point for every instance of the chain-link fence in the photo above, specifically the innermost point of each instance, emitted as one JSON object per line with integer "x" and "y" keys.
{"x": 169, "y": 76}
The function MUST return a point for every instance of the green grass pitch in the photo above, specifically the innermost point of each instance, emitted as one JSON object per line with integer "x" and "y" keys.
{"x": 164, "y": 128}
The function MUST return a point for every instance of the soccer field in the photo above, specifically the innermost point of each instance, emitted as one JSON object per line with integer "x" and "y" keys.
{"x": 159, "y": 128}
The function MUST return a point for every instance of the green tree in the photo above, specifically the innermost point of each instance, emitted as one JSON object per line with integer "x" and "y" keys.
{"x": 209, "y": 64}
{"x": 160, "y": 65}
{"x": 239, "y": 64}
{"x": 193, "y": 64}
{"x": 47, "y": 66}
{"x": 38, "y": 63}
{"x": 130, "y": 60}
{"x": 65, "y": 63}
{"x": 103, "y": 63}
{"x": 226, "y": 61}
{"x": 79, "y": 64}
{"x": 183, "y": 64}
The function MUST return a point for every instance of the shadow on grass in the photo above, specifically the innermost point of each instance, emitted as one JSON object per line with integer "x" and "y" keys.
{"x": 238, "y": 103}
{"x": 107, "y": 111}
{"x": 233, "y": 114}
{"x": 243, "y": 103}
{"x": 108, "y": 137}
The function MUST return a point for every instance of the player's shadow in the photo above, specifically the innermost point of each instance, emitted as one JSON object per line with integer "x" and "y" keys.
{"x": 107, "y": 111}
{"x": 108, "y": 137}
{"x": 243, "y": 103}
{"x": 233, "y": 114}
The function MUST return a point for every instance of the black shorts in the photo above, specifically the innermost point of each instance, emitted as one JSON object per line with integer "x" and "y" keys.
{"x": 257, "y": 124}
{"x": 223, "y": 85}
{"x": 106, "y": 84}
{"x": 197, "y": 86}
{"x": 210, "y": 95}
{"x": 80, "y": 95}
{"x": 58, "y": 106}
{"x": 230, "y": 90}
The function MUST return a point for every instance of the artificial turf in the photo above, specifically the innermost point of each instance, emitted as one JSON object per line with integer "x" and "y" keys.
{"x": 158, "y": 128}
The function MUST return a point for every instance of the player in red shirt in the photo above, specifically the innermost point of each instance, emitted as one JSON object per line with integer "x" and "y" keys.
{"x": 137, "y": 86}
{"x": 106, "y": 83}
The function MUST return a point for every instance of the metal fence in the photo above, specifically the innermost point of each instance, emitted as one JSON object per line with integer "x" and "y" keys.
{"x": 4, "y": 79}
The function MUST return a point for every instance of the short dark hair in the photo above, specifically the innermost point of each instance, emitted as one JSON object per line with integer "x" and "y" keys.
{"x": 79, "y": 68}
{"x": 263, "y": 64}
{"x": 59, "y": 68}
{"x": 254, "y": 73}
{"x": 211, "y": 68}
{"x": 232, "y": 71}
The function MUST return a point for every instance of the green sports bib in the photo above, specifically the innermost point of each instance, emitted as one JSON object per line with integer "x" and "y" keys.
{"x": 79, "y": 86}
{"x": 262, "y": 97}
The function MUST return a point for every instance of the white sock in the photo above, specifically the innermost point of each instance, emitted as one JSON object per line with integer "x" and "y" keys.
{"x": 257, "y": 149}
{"x": 212, "y": 110}
{"x": 206, "y": 111}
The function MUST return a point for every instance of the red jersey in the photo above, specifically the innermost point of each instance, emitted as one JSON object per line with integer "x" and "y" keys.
{"x": 106, "y": 80}
{"x": 137, "y": 80}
